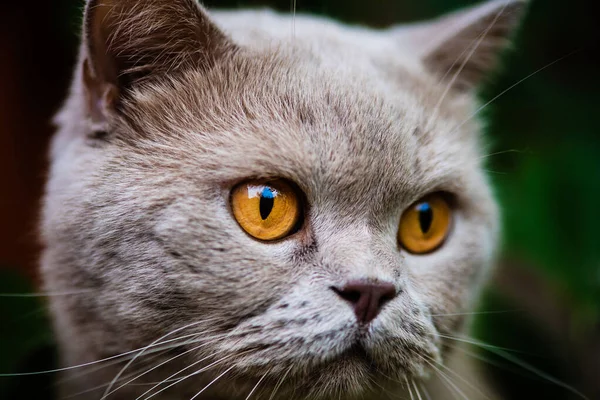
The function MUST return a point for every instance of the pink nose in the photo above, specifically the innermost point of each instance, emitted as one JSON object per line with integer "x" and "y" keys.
{"x": 367, "y": 298}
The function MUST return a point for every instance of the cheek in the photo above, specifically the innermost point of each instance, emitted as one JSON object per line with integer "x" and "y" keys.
{"x": 449, "y": 279}
{"x": 232, "y": 285}
{"x": 452, "y": 285}
{"x": 213, "y": 260}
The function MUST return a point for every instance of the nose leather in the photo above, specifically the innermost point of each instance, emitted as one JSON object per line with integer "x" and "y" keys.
{"x": 366, "y": 297}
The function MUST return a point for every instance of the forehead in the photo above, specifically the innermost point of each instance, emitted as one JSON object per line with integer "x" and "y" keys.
{"x": 327, "y": 130}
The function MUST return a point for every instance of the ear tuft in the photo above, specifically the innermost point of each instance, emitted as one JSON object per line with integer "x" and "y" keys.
{"x": 463, "y": 47}
{"x": 131, "y": 41}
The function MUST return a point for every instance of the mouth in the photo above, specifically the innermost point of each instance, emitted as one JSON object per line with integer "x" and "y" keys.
{"x": 356, "y": 353}
{"x": 349, "y": 374}
{"x": 362, "y": 367}
{"x": 349, "y": 361}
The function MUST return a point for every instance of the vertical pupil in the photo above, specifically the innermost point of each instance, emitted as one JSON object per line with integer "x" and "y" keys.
{"x": 425, "y": 216}
{"x": 267, "y": 199}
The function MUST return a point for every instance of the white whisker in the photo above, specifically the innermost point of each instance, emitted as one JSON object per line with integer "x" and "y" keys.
{"x": 506, "y": 354}
{"x": 416, "y": 389}
{"x": 170, "y": 378}
{"x": 425, "y": 392}
{"x": 163, "y": 363}
{"x": 475, "y": 313}
{"x": 280, "y": 382}
{"x": 500, "y": 152}
{"x": 478, "y": 343}
{"x": 471, "y": 385}
{"x": 537, "y": 372}
{"x": 481, "y": 108}
{"x": 456, "y": 388}
{"x": 257, "y": 383}
{"x": 98, "y": 387}
{"x": 156, "y": 352}
{"x": 142, "y": 352}
{"x": 211, "y": 382}
{"x": 409, "y": 389}
{"x": 446, "y": 378}
{"x": 479, "y": 357}
{"x": 185, "y": 377}
{"x": 46, "y": 294}
{"x": 115, "y": 357}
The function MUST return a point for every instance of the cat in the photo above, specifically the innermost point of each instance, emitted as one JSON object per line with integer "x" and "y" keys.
{"x": 245, "y": 204}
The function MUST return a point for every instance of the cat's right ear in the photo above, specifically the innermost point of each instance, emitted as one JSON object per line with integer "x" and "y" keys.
{"x": 462, "y": 48}
{"x": 128, "y": 42}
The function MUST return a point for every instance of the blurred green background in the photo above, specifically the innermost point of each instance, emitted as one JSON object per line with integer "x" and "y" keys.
{"x": 544, "y": 301}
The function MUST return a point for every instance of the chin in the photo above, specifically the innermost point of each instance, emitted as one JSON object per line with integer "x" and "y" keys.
{"x": 353, "y": 374}
{"x": 348, "y": 377}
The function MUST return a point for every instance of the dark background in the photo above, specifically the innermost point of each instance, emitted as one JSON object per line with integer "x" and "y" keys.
{"x": 544, "y": 302}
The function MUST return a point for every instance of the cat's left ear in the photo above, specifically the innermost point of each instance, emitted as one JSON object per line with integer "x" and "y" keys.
{"x": 463, "y": 47}
{"x": 127, "y": 42}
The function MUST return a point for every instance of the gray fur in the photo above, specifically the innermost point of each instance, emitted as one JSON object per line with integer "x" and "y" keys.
{"x": 136, "y": 216}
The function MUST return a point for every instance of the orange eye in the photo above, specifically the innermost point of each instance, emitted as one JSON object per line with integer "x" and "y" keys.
{"x": 425, "y": 225}
{"x": 266, "y": 210}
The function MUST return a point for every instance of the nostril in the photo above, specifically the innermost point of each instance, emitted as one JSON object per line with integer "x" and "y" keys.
{"x": 366, "y": 297}
{"x": 385, "y": 298}
{"x": 353, "y": 296}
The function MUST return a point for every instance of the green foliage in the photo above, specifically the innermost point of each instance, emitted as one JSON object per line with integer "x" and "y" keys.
{"x": 547, "y": 182}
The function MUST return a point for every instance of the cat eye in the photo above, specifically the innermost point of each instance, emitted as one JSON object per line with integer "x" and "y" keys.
{"x": 266, "y": 210}
{"x": 425, "y": 225}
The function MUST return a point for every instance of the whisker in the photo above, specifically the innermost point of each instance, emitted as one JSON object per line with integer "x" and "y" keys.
{"x": 38, "y": 312}
{"x": 211, "y": 382}
{"x": 156, "y": 352}
{"x": 389, "y": 377}
{"x": 170, "y": 378}
{"x": 487, "y": 360}
{"x": 425, "y": 392}
{"x": 137, "y": 372}
{"x": 500, "y": 152}
{"x": 374, "y": 382}
{"x": 456, "y": 388}
{"x": 537, "y": 372}
{"x": 479, "y": 357}
{"x": 409, "y": 390}
{"x": 46, "y": 294}
{"x": 187, "y": 376}
{"x": 476, "y": 313}
{"x": 491, "y": 171}
{"x": 63, "y": 369}
{"x": 257, "y": 383}
{"x": 95, "y": 388}
{"x": 481, "y": 108}
{"x": 416, "y": 389}
{"x": 478, "y": 343}
{"x": 142, "y": 352}
{"x": 280, "y": 382}
{"x": 506, "y": 354}
{"x": 163, "y": 363}
{"x": 450, "y": 389}
{"x": 472, "y": 386}
{"x": 446, "y": 378}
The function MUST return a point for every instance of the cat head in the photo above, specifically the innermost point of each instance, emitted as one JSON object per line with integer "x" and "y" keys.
{"x": 308, "y": 206}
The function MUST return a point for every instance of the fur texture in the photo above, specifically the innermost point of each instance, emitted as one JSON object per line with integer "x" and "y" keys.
{"x": 170, "y": 108}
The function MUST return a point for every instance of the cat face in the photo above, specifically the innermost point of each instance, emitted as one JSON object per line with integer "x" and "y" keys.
{"x": 355, "y": 124}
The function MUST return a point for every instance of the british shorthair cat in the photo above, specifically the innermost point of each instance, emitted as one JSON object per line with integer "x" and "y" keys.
{"x": 249, "y": 205}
